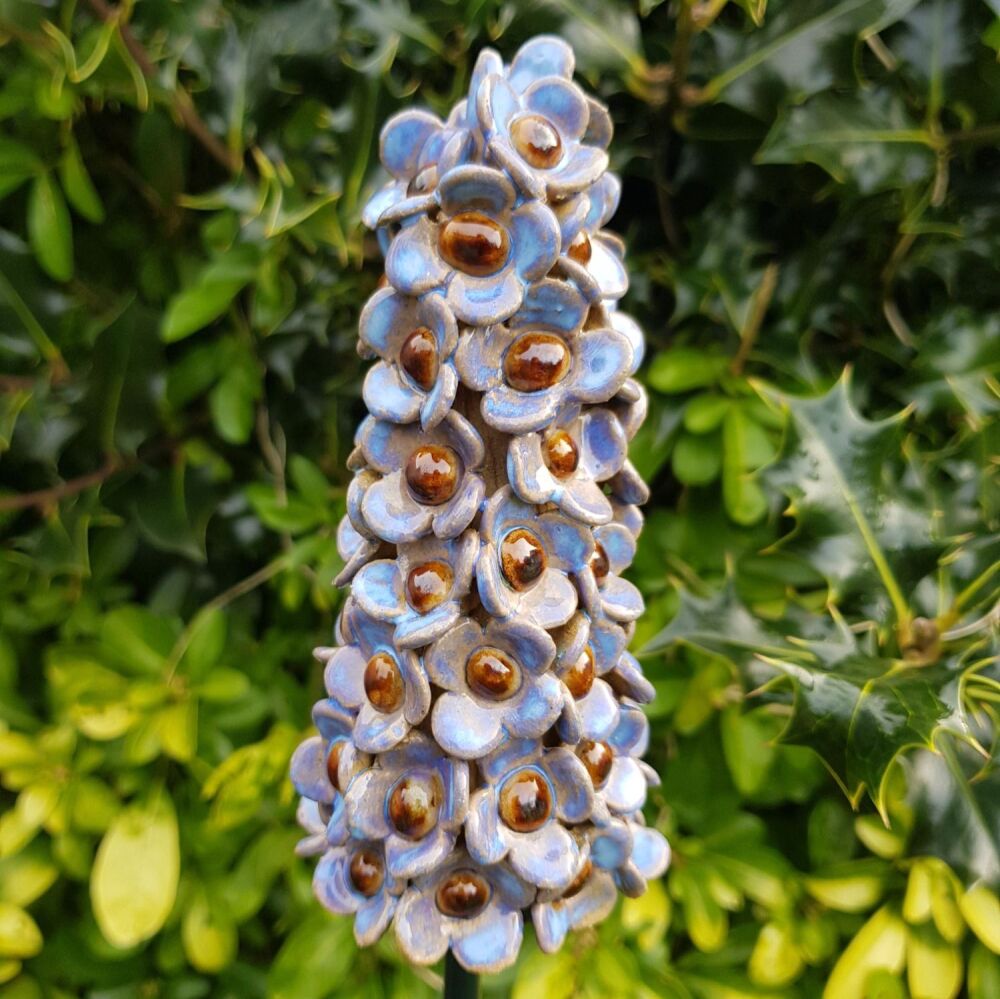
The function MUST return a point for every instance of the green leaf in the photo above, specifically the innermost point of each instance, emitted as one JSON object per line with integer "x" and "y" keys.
{"x": 209, "y": 936}
{"x": 680, "y": 369}
{"x": 17, "y": 164}
{"x": 50, "y": 231}
{"x": 134, "y": 880}
{"x": 19, "y": 933}
{"x": 867, "y": 139}
{"x": 696, "y": 460}
{"x": 78, "y": 186}
{"x": 705, "y": 412}
{"x": 210, "y": 295}
{"x": 745, "y": 500}
{"x": 232, "y": 401}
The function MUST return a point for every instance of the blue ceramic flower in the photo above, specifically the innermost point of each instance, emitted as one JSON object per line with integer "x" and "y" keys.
{"x": 421, "y": 590}
{"x": 627, "y": 680}
{"x": 546, "y": 358}
{"x": 414, "y": 801}
{"x": 520, "y": 812}
{"x": 602, "y": 589}
{"x": 620, "y": 778}
{"x": 429, "y": 479}
{"x": 525, "y": 561}
{"x": 415, "y": 339}
{"x": 648, "y": 858}
{"x": 537, "y": 136}
{"x": 480, "y": 249}
{"x": 354, "y": 549}
{"x": 588, "y": 900}
{"x": 386, "y": 686}
{"x": 312, "y": 818}
{"x": 353, "y": 880}
{"x": 324, "y": 765}
{"x": 474, "y": 910}
{"x": 590, "y": 710}
{"x": 566, "y": 463}
{"x": 495, "y": 686}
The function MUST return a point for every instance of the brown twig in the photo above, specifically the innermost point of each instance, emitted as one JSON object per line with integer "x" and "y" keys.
{"x": 182, "y": 103}
{"x": 45, "y": 498}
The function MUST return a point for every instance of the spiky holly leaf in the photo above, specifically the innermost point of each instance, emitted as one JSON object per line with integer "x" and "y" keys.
{"x": 854, "y": 524}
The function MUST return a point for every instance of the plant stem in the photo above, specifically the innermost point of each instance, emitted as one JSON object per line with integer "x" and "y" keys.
{"x": 459, "y": 983}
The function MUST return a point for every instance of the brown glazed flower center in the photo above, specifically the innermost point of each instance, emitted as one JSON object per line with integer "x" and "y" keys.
{"x": 580, "y": 249}
{"x": 419, "y": 357}
{"x": 463, "y": 894}
{"x": 333, "y": 762}
{"x": 384, "y": 683}
{"x": 428, "y": 585}
{"x": 579, "y": 678}
{"x": 599, "y": 564}
{"x": 561, "y": 454}
{"x": 432, "y": 474}
{"x": 576, "y": 885}
{"x": 493, "y": 674}
{"x": 537, "y": 140}
{"x": 536, "y": 361}
{"x": 367, "y": 872}
{"x": 597, "y": 758}
{"x": 525, "y": 801}
{"x": 522, "y": 558}
{"x": 413, "y": 806}
{"x": 474, "y": 243}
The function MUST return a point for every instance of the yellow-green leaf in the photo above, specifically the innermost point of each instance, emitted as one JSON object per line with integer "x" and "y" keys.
{"x": 981, "y": 910}
{"x": 79, "y": 188}
{"x": 134, "y": 880}
{"x": 880, "y": 943}
{"x": 20, "y": 936}
{"x": 50, "y": 231}
{"x": 933, "y": 966}
{"x": 209, "y": 936}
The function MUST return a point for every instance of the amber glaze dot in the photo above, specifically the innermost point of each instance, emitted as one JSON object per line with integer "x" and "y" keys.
{"x": 474, "y": 243}
{"x": 525, "y": 801}
{"x": 493, "y": 674}
{"x": 599, "y": 564}
{"x": 333, "y": 761}
{"x": 428, "y": 585}
{"x": 463, "y": 894}
{"x": 383, "y": 683}
{"x": 561, "y": 454}
{"x": 580, "y": 249}
{"x": 536, "y": 361}
{"x": 537, "y": 140}
{"x": 413, "y": 806}
{"x": 579, "y": 678}
{"x": 419, "y": 357}
{"x": 522, "y": 558}
{"x": 597, "y": 758}
{"x": 576, "y": 885}
{"x": 432, "y": 474}
{"x": 367, "y": 873}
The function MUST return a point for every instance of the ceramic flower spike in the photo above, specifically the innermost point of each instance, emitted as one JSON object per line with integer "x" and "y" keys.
{"x": 478, "y": 757}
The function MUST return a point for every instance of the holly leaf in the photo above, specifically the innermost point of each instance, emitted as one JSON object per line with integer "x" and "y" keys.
{"x": 854, "y": 523}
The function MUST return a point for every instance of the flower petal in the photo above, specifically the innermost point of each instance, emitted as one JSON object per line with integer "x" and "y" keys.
{"x": 524, "y": 178}
{"x": 598, "y": 712}
{"x": 365, "y": 801}
{"x": 532, "y": 647}
{"x": 631, "y": 737}
{"x": 437, "y": 403}
{"x": 607, "y": 641}
{"x": 373, "y": 918}
{"x": 496, "y": 105}
{"x": 344, "y": 676}
{"x": 400, "y": 518}
{"x": 456, "y": 515}
{"x": 625, "y": 789}
{"x": 382, "y": 200}
{"x": 308, "y": 771}
{"x": 475, "y": 360}
{"x": 607, "y": 267}
{"x": 585, "y": 501}
{"x": 482, "y": 301}
{"x": 492, "y": 945}
{"x": 416, "y": 630}
{"x": 496, "y": 595}
{"x": 650, "y": 852}
{"x": 445, "y": 659}
{"x": 611, "y": 844}
{"x": 526, "y": 469}
{"x": 543, "y": 55}
{"x": 563, "y": 103}
{"x": 412, "y": 264}
{"x": 600, "y": 129}
{"x": 419, "y": 927}
{"x": 602, "y": 363}
{"x": 484, "y": 836}
{"x": 586, "y": 164}
{"x": 331, "y": 885}
{"x": 628, "y": 680}
{"x": 574, "y": 791}
{"x": 537, "y": 709}
{"x": 518, "y": 412}
{"x": 621, "y": 600}
{"x": 378, "y": 590}
{"x": 552, "y": 304}
{"x": 475, "y": 186}
{"x": 464, "y": 728}
{"x": 552, "y": 600}
{"x": 547, "y": 858}
{"x": 402, "y": 139}
{"x": 535, "y": 234}
{"x": 604, "y": 442}
{"x": 375, "y": 731}
{"x": 406, "y": 858}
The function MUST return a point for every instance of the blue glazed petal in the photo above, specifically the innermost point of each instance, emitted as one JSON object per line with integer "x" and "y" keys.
{"x": 552, "y": 923}
{"x": 619, "y": 545}
{"x": 400, "y": 519}
{"x": 457, "y": 514}
{"x": 547, "y": 858}
{"x": 585, "y": 501}
{"x": 631, "y": 737}
{"x": 331, "y": 887}
{"x": 535, "y": 235}
{"x": 583, "y": 167}
{"x": 574, "y": 791}
{"x": 344, "y": 677}
{"x": 491, "y": 946}
{"x": 532, "y": 647}
{"x": 551, "y": 304}
{"x": 650, "y": 852}
{"x": 525, "y": 179}
{"x": 388, "y": 396}
{"x": 625, "y": 789}
{"x": 412, "y": 264}
{"x": 474, "y": 186}
{"x": 482, "y": 301}
{"x": 378, "y": 590}
{"x": 518, "y": 412}
{"x": 445, "y": 660}
{"x": 378, "y": 320}
{"x": 604, "y": 358}
{"x": 308, "y": 771}
{"x": 600, "y": 129}
{"x": 373, "y": 918}
{"x": 402, "y": 139}
{"x": 621, "y": 600}
{"x": 472, "y": 359}
{"x": 571, "y": 543}
{"x": 543, "y": 55}
{"x": 495, "y": 594}
{"x": 415, "y": 630}
{"x": 375, "y": 732}
{"x": 563, "y": 103}
{"x": 611, "y": 844}
{"x": 552, "y": 601}
{"x": 496, "y": 105}
{"x": 605, "y": 443}
{"x": 484, "y": 837}
{"x": 382, "y": 200}
{"x": 420, "y": 927}
{"x": 607, "y": 268}
{"x": 337, "y": 829}
{"x": 438, "y": 401}
{"x": 598, "y": 712}
{"x": 537, "y": 709}
{"x": 629, "y": 680}
{"x": 365, "y": 800}
{"x": 406, "y": 858}
{"x": 488, "y": 63}
{"x": 465, "y": 728}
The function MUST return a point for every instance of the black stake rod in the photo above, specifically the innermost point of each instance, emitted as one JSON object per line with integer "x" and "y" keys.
{"x": 459, "y": 983}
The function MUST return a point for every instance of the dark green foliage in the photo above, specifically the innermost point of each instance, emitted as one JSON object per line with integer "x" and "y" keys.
{"x": 809, "y": 189}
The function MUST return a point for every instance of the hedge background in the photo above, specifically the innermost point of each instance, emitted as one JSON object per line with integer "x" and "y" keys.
{"x": 810, "y": 186}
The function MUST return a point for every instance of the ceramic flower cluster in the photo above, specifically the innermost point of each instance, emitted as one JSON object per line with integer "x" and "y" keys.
{"x": 479, "y": 753}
